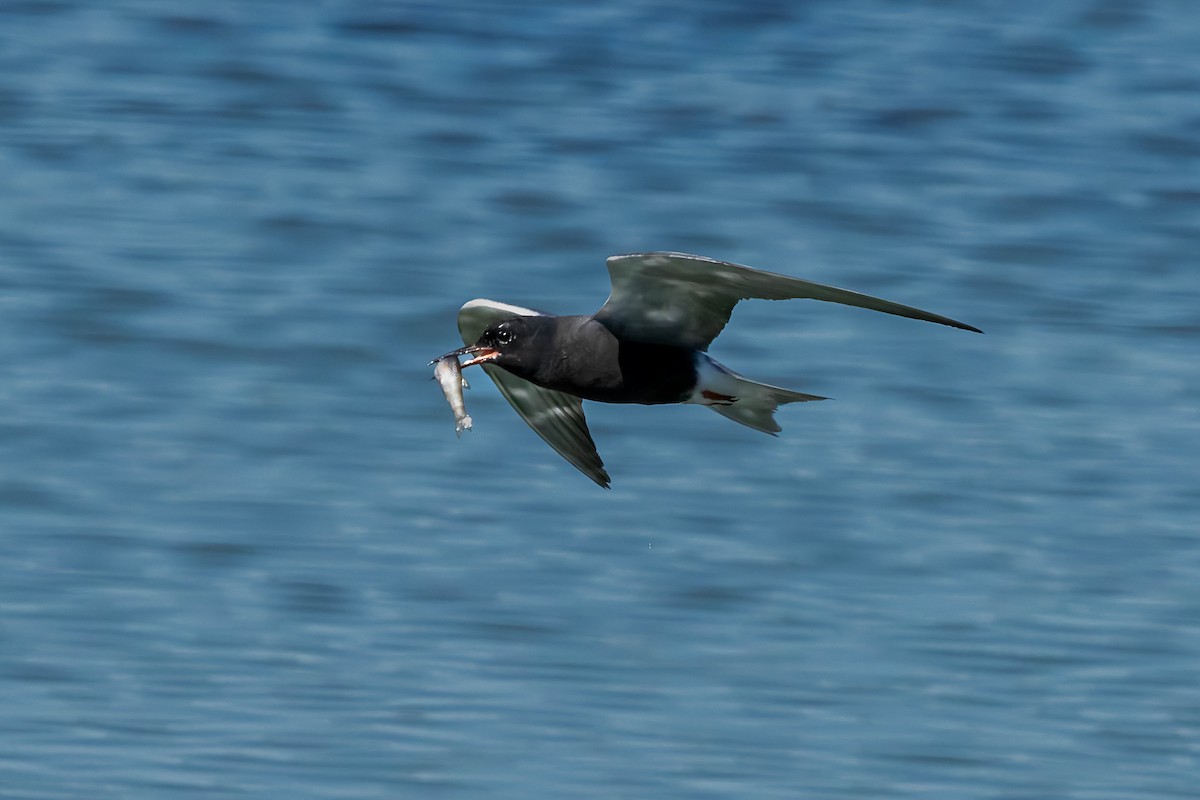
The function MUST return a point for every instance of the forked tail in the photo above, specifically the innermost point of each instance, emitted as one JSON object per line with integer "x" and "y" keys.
{"x": 753, "y": 404}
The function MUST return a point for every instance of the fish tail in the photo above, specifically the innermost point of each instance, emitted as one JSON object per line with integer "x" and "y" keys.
{"x": 464, "y": 423}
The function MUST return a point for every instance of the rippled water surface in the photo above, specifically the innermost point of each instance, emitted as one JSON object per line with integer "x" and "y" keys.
{"x": 242, "y": 553}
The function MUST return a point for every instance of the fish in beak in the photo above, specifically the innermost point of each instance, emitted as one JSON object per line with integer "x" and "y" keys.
{"x": 482, "y": 354}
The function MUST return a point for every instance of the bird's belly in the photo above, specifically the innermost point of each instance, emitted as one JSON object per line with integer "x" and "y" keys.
{"x": 635, "y": 372}
{"x": 625, "y": 394}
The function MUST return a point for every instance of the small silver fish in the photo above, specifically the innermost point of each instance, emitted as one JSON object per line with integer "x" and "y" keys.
{"x": 448, "y": 373}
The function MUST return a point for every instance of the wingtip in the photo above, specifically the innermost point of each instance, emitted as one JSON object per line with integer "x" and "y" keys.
{"x": 948, "y": 322}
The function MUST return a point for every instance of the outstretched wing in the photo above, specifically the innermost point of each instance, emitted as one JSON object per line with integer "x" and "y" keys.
{"x": 554, "y": 416}
{"x": 685, "y": 300}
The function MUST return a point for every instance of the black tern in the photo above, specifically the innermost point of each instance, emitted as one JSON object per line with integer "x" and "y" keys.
{"x": 646, "y": 345}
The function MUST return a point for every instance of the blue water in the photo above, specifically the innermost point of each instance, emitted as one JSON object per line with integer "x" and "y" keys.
{"x": 242, "y": 553}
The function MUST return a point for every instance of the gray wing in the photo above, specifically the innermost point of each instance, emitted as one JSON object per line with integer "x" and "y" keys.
{"x": 680, "y": 299}
{"x": 554, "y": 416}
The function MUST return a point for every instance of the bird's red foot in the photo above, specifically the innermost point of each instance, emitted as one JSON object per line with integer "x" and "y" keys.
{"x": 718, "y": 399}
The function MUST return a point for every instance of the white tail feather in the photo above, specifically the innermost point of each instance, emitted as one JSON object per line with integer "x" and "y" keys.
{"x": 753, "y": 403}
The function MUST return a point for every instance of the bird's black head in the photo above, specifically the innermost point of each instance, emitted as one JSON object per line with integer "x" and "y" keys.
{"x": 512, "y": 344}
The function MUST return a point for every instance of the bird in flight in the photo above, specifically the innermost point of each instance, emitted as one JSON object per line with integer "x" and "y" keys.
{"x": 647, "y": 344}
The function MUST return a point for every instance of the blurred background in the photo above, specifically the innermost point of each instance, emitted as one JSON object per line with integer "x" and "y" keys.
{"x": 242, "y": 553}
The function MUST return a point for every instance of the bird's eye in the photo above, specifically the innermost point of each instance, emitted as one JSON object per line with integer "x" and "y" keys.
{"x": 504, "y": 336}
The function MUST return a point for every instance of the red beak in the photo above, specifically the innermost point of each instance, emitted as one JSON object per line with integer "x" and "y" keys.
{"x": 482, "y": 354}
